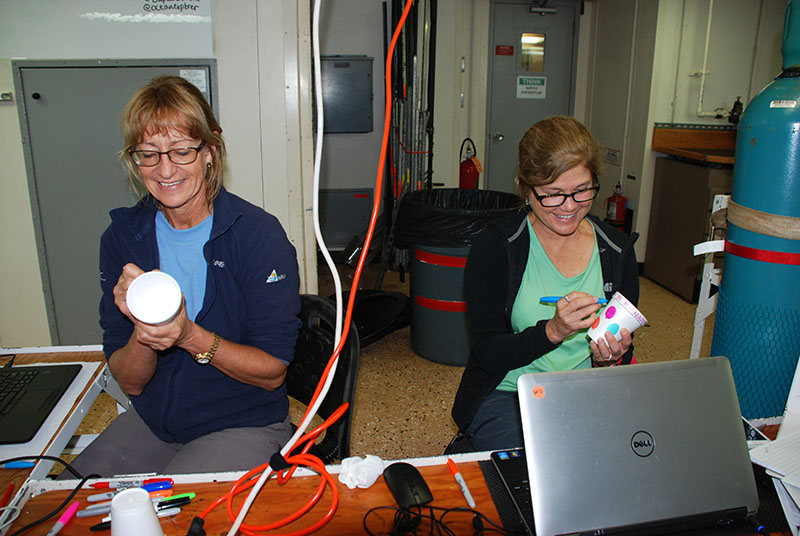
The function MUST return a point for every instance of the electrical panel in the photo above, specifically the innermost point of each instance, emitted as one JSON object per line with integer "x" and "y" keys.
{"x": 347, "y": 93}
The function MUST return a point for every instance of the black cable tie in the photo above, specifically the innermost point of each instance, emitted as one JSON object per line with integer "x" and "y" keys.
{"x": 278, "y": 462}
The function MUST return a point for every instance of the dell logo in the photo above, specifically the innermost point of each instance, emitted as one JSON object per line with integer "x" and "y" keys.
{"x": 643, "y": 444}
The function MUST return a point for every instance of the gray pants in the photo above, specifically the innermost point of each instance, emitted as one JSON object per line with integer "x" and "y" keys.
{"x": 128, "y": 446}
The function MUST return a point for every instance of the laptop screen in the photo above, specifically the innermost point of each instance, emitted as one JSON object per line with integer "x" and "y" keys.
{"x": 620, "y": 448}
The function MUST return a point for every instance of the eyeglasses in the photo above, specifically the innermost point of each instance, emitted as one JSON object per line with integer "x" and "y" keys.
{"x": 556, "y": 200}
{"x": 182, "y": 155}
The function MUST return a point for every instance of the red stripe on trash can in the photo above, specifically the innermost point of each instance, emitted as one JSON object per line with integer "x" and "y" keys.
{"x": 440, "y": 260}
{"x": 775, "y": 257}
{"x": 441, "y": 305}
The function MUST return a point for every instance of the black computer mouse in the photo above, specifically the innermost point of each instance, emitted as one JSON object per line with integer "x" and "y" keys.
{"x": 407, "y": 485}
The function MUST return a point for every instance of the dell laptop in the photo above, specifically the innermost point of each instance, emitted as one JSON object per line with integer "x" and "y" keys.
{"x": 647, "y": 448}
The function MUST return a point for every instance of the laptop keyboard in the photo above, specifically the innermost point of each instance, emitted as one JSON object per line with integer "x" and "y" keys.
{"x": 521, "y": 493}
{"x": 12, "y": 387}
{"x": 513, "y": 470}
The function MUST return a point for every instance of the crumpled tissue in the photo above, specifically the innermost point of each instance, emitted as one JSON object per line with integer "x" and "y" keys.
{"x": 360, "y": 472}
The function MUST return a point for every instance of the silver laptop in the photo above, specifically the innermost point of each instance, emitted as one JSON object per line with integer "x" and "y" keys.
{"x": 635, "y": 448}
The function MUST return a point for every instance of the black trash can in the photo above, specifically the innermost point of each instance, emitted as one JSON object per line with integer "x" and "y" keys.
{"x": 438, "y": 226}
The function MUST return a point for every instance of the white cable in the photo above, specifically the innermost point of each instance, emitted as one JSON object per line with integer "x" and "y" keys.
{"x": 700, "y": 112}
{"x": 312, "y": 411}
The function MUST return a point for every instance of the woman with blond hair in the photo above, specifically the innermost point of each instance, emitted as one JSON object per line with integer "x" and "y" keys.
{"x": 551, "y": 247}
{"x": 207, "y": 387}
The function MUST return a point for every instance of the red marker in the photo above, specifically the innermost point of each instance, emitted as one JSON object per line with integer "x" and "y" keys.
{"x": 4, "y": 500}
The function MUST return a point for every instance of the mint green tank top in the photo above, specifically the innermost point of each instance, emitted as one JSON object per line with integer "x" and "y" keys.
{"x": 542, "y": 278}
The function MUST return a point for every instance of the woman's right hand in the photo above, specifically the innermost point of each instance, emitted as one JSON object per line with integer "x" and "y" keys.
{"x": 129, "y": 272}
{"x": 574, "y": 312}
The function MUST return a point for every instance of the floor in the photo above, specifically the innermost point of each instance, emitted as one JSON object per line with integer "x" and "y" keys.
{"x": 402, "y": 404}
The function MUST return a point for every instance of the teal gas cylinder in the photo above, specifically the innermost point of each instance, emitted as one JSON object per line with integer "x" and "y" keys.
{"x": 757, "y": 323}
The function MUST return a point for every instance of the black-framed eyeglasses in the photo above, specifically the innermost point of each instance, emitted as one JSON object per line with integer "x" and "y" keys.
{"x": 181, "y": 155}
{"x": 556, "y": 200}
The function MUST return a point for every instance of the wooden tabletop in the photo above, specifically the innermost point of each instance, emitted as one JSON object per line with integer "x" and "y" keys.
{"x": 703, "y": 145}
{"x": 275, "y": 502}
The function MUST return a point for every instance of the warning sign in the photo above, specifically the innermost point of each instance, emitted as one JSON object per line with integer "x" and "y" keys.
{"x": 531, "y": 87}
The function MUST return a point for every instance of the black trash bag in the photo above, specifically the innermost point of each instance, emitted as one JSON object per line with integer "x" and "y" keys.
{"x": 448, "y": 217}
{"x": 377, "y": 313}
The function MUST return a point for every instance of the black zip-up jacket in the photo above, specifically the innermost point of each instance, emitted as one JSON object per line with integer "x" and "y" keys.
{"x": 492, "y": 277}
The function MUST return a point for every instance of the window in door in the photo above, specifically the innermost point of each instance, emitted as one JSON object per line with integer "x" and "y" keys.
{"x": 532, "y": 52}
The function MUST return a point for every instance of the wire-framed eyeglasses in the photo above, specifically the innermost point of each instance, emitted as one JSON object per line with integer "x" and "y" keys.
{"x": 180, "y": 155}
{"x": 556, "y": 200}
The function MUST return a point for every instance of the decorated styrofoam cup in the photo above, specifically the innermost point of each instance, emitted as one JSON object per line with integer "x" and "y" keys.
{"x": 618, "y": 313}
{"x": 154, "y": 297}
{"x": 133, "y": 514}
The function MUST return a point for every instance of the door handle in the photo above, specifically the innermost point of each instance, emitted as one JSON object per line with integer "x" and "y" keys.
{"x": 499, "y": 136}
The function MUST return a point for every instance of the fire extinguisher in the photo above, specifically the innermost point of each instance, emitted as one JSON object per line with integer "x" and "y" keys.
{"x": 468, "y": 169}
{"x": 616, "y": 206}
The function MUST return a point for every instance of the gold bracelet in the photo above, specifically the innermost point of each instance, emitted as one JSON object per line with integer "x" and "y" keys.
{"x": 205, "y": 357}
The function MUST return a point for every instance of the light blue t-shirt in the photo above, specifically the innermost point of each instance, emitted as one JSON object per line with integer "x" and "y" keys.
{"x": 180, "y": 254}
{"x": 542, "y": 278}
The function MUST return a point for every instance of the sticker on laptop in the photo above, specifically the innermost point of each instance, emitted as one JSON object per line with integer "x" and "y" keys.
{"x": 538, "y": 392}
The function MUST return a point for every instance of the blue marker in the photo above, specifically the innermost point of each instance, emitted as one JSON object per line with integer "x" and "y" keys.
{"x": 17, "y": 465}
{"x": 554, "y": 299}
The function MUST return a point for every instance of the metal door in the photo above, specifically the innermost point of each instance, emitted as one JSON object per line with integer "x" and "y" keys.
{"x": 532, "y": 71}
{"x": 70, "y": 120}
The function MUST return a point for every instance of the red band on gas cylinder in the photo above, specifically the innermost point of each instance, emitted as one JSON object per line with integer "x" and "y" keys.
{"x": 440, "y": 260}
{"x": 775, "y": 257}
{"x": 441, "y": 305}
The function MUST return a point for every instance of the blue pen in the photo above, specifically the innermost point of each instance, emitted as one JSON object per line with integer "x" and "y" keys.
{"x": 17, "y": 465}
{"x": 554, "y": 299}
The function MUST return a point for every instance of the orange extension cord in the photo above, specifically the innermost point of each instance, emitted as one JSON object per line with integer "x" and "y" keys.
{"x": 307, "y": 440}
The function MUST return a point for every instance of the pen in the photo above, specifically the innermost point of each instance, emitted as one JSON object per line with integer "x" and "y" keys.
{"x": 461, "y": 482}
{"x": 128, "y": 483}
{"x": 161, "y": 500}
{"x": 95, "y": 510}
{"x": 554, "y": 299}
{"x": 169, "y": 512}
{"x": 150, "y": 488}
{"x": 169, "y": 503}
{"x": 99, "y": 509}
{"x": 6, "y": 498}
{"x": 17, "y": 465}
{"x": 64, "y": 519}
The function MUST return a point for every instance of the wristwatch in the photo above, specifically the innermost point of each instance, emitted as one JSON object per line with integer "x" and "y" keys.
{"x": 205, "y": 357}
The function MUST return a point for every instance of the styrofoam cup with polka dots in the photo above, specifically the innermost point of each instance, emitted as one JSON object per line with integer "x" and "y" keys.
{"x": 619, "y": 313}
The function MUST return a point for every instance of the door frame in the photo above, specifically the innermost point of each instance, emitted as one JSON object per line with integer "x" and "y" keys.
{"x": 578, "y": 5}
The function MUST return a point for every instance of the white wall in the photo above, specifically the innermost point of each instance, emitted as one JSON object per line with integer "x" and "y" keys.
{"x": 263, "y": 50}
{"x": 462, "y": 37}
{"x": 88, "y": 29}
{"x": 23, "y": 316}
{"x": 636, "y": 44}
{"x": 354, "y": 27}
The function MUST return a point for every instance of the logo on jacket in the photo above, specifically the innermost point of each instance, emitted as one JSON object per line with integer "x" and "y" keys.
{"x": 608, "y": 287}
{"x": 274, "y": 277}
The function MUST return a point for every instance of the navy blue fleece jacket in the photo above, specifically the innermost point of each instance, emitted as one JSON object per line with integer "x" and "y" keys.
{"x": 252, "y": 298}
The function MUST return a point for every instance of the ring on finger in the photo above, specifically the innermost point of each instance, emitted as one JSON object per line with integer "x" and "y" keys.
{"x": 566, "y": 298}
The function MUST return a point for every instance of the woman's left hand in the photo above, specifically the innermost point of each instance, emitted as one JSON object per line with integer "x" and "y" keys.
{"x": 165, "y": 335}
{"x": 609, "y": 350}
